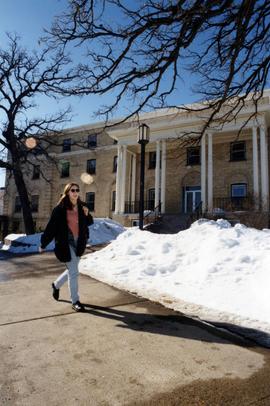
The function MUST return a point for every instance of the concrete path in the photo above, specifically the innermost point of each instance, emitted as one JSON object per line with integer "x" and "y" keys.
{"x": 123, "y": 350}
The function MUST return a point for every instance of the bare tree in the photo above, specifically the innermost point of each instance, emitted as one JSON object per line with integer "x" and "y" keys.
{"x": 142, "y": 51}
{"x": 23, "y": 76}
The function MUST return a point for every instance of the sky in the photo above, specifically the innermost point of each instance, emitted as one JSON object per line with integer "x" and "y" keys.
{"x": 213, "y": 271}
{"x": 29, "y": 18}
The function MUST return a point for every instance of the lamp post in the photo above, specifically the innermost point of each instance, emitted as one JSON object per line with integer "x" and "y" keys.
{"x": 143, "y": 139}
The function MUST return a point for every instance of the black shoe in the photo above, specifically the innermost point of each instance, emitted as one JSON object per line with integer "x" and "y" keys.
{"x": 55, "y": 292}
{"x": 78, "y": 307}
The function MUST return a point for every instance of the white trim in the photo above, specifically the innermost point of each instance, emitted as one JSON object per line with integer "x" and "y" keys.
{"x": 133, "y": 178}
{"x": 118, "y": 179}
{"x": 163, "y": 177}
{"x": 203, "y": 173}
{"x": 264, "y": 169}
{"x": 162, "y": 114}
{"x": 123, "y": 180}
{"x": 255, "y": 167}
{"x": 157, "y": 173}
{"x": 210, "y": 173}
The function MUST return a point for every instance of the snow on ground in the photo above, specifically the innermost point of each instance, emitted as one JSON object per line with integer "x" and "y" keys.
{"x": 103, "y": 230}
{"x": 211, "y": 270}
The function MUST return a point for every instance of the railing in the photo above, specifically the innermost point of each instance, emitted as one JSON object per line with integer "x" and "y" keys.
{"x": 133, "y": 206}
{"x": 198, "y": 211}
{"x": 156, "y": 211}
{"x": 234, "y": 203}
{"x": 196, "y": 214}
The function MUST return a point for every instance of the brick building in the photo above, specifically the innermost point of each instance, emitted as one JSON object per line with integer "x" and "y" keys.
{"x": 227, "y": 172}
{"x": 224, "y": 172}
{"x": 85, "y": 155}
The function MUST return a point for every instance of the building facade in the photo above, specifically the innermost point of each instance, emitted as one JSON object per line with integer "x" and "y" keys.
{"x": 85, "y": 155}
{"x": 225, "y": 170}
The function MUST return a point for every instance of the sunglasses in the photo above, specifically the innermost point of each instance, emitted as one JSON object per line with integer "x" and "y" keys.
{"x": 75, "y": 190}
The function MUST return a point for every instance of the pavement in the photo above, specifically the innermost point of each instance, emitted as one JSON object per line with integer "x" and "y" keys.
{"x": 124, "y": 350}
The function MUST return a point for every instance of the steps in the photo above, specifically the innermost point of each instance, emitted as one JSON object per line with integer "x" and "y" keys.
{"x": 170, "y": 224}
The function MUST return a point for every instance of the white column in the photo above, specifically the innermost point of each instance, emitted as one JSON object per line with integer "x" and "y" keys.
{"x": 118, "y": 179}
{"x": 133, "y": 178}
{"x": 210, "y": 172}
{"x": 123, "y": 180}
{"x": 157, "y": 173}
{"x": 163, "y": 177}
{"x": 264, "y": 168}
{"x": 255, "y": 167}
{"x": 203, "y": 174}
{"x": 129, "y": 158}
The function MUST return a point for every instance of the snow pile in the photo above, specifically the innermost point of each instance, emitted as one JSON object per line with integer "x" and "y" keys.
{"x": 24, "y": 244}
{"x": 212, "y": 270}
{"x": 102, "y": 231}
{"x": 212, "y": 265}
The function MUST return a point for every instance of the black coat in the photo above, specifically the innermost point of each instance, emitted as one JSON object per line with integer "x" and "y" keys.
{"x": 57, "y": 229}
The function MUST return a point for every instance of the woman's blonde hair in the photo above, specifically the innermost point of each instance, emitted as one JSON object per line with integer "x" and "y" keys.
{"x": 64, "y": 199}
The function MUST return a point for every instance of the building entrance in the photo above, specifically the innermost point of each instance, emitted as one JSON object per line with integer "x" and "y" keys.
{"x": 192, "y": 198}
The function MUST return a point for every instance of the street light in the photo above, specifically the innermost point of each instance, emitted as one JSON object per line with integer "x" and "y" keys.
{"x": 143, "y": 139}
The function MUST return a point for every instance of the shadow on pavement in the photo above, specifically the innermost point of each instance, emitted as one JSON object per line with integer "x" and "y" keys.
{"x": 260, "y": 337}
{"x": 171, "y": 325}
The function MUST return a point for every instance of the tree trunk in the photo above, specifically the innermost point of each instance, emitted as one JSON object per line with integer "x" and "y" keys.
{"x": 25, "y": 202}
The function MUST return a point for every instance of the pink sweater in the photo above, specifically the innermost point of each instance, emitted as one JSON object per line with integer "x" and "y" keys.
{"x": 73, "y": 222}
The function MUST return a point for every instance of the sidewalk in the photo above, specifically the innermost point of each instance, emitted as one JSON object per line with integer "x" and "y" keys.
{"x": 123, "y": 350}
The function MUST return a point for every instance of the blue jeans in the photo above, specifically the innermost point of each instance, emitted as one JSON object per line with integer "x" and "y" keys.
{"x": 71, "y": 274}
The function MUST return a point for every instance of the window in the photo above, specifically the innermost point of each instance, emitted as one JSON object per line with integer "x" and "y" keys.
{"x": 113, "y": 200}
{"x": 135, "y": 223}
{"x": 193, "y": 156}
{"x": 65, "y": 169}
{"x": 34, "y": 203}
{"x": 152, "y": 160}
{"x": 151, "y": 199}
{"x": 36, "y": 172}
{"x": 66, "y": 145}
{"x": 239, "y": 190}
{"x": 18, "y": 206}
{"x": 115, "y": 142}
{"x": 115, "y": 163}
{"x": 90, "y": 200}
{"x": 238, "y": 151}
{"x": 92, "y": 141}
{"x": 91, "y": 166}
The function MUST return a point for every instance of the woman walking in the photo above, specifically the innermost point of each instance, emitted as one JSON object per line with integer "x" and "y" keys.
{"x": 68, "y": 226}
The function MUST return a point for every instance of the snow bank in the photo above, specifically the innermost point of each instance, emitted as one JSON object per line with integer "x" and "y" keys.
{"x": 212, "y": 265}
{"x": 102, "y": 231}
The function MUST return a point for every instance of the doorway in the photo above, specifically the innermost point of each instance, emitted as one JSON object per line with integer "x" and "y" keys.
{"x": 192, "y": 198}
